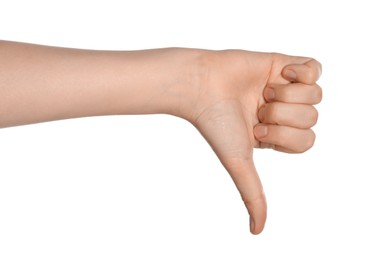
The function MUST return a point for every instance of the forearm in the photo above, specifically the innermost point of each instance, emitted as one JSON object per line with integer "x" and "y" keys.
{"x": 39, "y": 83}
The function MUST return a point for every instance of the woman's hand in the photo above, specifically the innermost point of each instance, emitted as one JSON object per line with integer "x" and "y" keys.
{"x": 238, "y": 100}
{"x": 262, "y": 100}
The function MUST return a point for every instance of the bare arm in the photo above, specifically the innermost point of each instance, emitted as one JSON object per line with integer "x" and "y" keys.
{"x": 238, "y": 100}
{"x": 41, "y": 83}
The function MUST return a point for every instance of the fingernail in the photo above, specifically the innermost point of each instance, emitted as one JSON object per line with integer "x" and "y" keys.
{"x": 252, "y": 225}
{"x": 261, "y": 113}
{"x": 290, "y": 74}
{"x": 269, "y": 94}
{"x": 260, "y": 131}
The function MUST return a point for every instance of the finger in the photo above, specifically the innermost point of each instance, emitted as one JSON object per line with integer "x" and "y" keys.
{"x": 247, "y": 181}
{"x": 276, "y": 148}
{"x": 294, "y": 115}
{"x": 264, "y": 145}
{"x": 291, "y": 139}
{"x": 282, "y": 149}
{"x": 294, "y": 93}
{"x": 307, "y": 73}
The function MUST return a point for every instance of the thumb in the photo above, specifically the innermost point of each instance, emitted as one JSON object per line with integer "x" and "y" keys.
{"x": 225, "y": 129}
{"x": 244, "y": 175}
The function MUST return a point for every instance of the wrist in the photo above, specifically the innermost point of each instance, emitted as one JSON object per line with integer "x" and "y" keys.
{"x": 160, "y": 81}
{"x": 191, "y": 70}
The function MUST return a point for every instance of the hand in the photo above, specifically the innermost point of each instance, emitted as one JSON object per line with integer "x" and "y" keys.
{"x": 262, "y": 100}
{"x": 238, "y": 100}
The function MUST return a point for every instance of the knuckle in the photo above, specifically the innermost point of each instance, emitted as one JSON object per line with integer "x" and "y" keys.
{"x": 310, "y": 75}
{"x": 318, "y": 94}
{"x": 313, "y": 116}
{"x": 252, "y": 200}
{"x": 309, "y": 141}
{"x": 314, "y": 61}
{"x": 316, "y": 65}
{"x": 319, "y": 67}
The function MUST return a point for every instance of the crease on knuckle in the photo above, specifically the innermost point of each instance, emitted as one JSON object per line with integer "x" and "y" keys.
{"x": 253, "y": 200}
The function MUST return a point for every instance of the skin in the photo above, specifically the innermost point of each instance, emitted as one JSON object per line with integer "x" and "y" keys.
{"x": 238, "y": 100}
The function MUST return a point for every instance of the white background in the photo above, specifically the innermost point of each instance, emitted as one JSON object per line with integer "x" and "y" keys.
{"x": 150, "y": 187}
